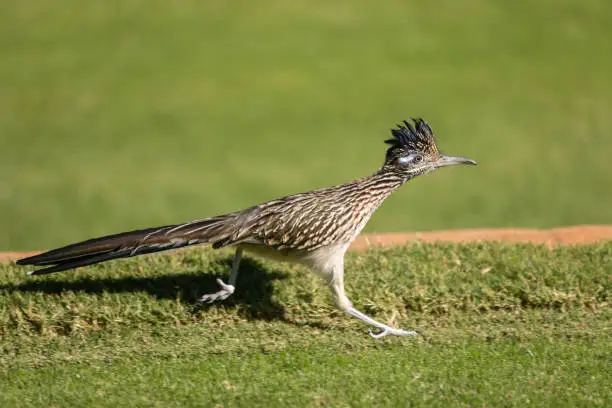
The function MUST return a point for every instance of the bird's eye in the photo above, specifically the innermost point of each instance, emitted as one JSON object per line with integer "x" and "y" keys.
{"x": 410, "y": 159}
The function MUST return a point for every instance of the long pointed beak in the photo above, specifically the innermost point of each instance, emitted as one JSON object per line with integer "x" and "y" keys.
{"x": 453, "y": 160}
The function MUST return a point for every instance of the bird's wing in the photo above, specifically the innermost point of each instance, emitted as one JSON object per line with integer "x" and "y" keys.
{"x": 301, "y": 222}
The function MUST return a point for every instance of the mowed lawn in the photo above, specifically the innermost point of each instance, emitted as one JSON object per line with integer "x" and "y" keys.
{"x": 130, "y": 114}
{"x": 502, "y": 325}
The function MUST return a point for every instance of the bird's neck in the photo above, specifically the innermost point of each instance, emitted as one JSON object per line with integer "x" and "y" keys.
{"x": 384, "y": 180}
{"x": 372, "y": 190}
{"x": 362, "y": 197}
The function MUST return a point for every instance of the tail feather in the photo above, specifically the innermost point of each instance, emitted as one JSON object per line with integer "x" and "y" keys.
{"x": 133, "y": 243}
{"x": 77, "y": 262}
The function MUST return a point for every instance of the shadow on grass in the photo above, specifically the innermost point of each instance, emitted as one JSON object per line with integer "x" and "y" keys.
{"x": 254, "y": 288}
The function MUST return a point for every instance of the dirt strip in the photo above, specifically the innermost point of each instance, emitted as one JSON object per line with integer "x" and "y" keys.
{"x": 583, "y": 234}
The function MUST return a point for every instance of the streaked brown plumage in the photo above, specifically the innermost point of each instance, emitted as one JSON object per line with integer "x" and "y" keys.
{"x": 314, "y": 228}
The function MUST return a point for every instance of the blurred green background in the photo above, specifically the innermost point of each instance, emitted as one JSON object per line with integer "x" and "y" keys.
{"x": 117, "y": 115}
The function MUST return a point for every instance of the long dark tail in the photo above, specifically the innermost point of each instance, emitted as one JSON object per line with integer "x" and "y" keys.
{"x": 133, "y": 243}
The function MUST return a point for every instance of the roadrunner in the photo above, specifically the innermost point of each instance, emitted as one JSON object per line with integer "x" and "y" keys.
{"x": 313, "y": 228}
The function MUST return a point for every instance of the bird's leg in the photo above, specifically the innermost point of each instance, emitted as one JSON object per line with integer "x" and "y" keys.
{"x": 226, "y": 288}
{"x": 336, "y": 284}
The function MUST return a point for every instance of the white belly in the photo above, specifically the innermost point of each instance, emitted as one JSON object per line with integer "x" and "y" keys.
{"x": 321, "y": 260}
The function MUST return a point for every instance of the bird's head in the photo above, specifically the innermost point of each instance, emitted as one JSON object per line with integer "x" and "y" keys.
{"x": 413, "y": 151}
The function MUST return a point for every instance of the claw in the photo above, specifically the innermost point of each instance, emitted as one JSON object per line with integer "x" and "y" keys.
{"x": 395, "y": 332}
{"x": 378, "y": 335}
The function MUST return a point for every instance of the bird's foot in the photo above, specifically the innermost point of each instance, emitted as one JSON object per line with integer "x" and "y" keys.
{"x": 225, "y": 292}
{"x": 384, "y": 329}
{"x": 396, "y": 332}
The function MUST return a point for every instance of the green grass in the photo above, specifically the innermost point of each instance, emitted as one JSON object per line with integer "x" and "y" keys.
{"x": 126, "y": 114}
{"x": 504, "y": 325}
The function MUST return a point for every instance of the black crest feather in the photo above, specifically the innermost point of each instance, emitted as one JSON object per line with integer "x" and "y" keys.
{"x": 419, "y": 137}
